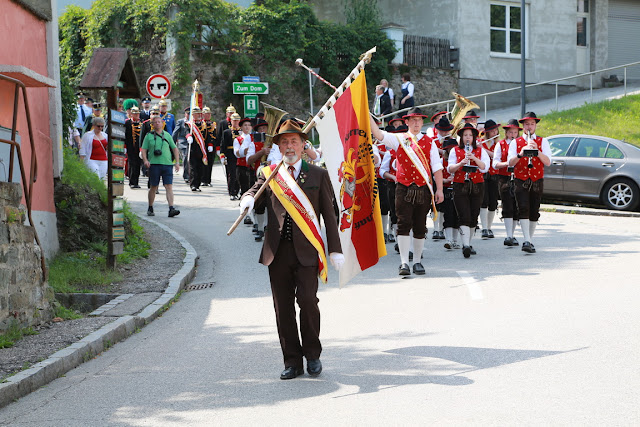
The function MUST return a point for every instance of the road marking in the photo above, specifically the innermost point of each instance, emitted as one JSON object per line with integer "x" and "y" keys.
{"x": 475, "y": 291}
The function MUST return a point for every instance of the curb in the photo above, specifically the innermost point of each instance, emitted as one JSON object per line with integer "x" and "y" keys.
{"x": 587, "y": 211}
{"x": 64, "y": 360}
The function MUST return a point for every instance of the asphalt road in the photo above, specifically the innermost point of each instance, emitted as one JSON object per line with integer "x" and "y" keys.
{"x": 502, "y": 338}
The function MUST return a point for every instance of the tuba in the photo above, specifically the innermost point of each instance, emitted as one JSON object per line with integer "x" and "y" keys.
{"x": 272, "y": 115}
{"x": 462, "y": 107}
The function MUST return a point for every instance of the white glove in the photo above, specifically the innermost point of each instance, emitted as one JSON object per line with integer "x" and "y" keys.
{"x": 189, "y": 139}
{"x": 210, "y": 148}
{"x": 247, "y": 202}
{"x": 337, "y": 260}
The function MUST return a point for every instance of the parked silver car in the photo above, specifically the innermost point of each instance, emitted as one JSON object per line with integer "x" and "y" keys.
{"x": 593, "y": 169}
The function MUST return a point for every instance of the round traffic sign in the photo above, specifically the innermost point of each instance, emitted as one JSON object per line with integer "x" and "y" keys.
{"x": 158, "y": 86}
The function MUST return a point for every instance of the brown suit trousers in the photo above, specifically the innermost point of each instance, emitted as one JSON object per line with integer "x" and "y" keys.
{"x": 293, "y": 265}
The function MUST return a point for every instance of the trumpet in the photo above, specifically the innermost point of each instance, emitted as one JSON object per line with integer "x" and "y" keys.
{"x": 468, "y": 168}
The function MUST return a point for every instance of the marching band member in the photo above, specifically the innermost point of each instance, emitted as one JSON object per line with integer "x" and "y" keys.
{"x": 491, "y": 191}
{"x": 432, "y": 131}
{"x": 472, "y": 118}
{"x": 529, "y": 156}
{"x": 447, "y": 207}
{"x": 256, "y": 152}
{"x": 212, "y": 144}
{"x": 468, "y": 187}
{"x": 240, "y": 149}
{"x": 443, "y": 129}
{"x": 395, "y": 123}
{"x": 196, "y": 165}
{"x": 168, "y": 118}
{"x": 417, "y": 159}
{"x": 226, "y": 149}
{"x": 509, "y": 209}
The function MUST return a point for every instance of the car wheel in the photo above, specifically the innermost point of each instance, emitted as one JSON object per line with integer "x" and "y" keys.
{"x": 621, "y": 194}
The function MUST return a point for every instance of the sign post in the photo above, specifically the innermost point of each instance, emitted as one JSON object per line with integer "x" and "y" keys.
{"x": 115, "y": 178}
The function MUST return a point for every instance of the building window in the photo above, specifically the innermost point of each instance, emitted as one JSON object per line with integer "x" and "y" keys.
{"x": 583, "y": 23}
{"x": 506, "y": 32}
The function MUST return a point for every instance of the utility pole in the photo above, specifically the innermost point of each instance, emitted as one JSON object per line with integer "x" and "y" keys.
{"x": 523, "y": 80}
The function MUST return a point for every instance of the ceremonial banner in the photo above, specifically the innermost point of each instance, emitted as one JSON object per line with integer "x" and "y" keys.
{"x": 345, "y": 140}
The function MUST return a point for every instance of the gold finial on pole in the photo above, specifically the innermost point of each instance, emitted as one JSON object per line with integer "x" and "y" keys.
{"x": 196, "y": 85}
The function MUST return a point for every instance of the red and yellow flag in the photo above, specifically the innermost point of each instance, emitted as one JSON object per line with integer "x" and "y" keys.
{"x": 345, "y": 139}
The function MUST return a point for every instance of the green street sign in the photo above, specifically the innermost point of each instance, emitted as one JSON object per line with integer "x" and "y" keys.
{"x": 250, "y": 105}
{"x": 260, "y": 88}
{"x": 117, "y": 175}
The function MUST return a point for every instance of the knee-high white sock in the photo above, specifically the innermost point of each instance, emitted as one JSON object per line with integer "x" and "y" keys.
{"x": 392, "y": 229}
{"x": 448, "y": 234}
{"x": 260, "y": 221}
{"x": 513, "y": 228}
{"x": 385, "y": 223}
{"x": 508, "y": 225}
{"x": 411, "y": 233}
{"x": 437, "y": 225}
{"x": 532, "y": 227}
{"x": 418, "y": 246}
{"x": 526, "y": 231}
{"x": 404, "y": 244}
{"x": 483, "y": 217}
{"x": 456, "y": 234}
{"x": 465, "y": 232}
{"x": 490, "y": 216}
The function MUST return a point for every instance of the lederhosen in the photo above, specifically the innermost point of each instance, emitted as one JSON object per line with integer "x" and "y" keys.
{"x": 211, "y": 155}
{"x": 447, "y": 207}
{"x": 529, "y": 182}
{"x": 491, "y": 187}
{"x": 385, "y": 206}
{"x": 506, "y": 185}
{"x": 468, "y": 195}
{"x": 196, "y": 167}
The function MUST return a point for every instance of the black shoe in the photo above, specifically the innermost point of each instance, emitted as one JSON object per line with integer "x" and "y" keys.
{"x": 442, "y": 237}
{"x": 291, "y": 372}
{"x": 173, "y": 212}
{"x": 157, "y": 191}
{"x": 194, "y": 189}
{"x": 485, "y": 233}
{"x": 232, "y": 197}
{"x": 247, "y": 220}
{"x": 150, "y": 211}
{"x": 508, "y": 241}
{"x": 314, "y": 367}
{"x": 435, "y": 235}
{"x": 490, "y": 233}
{"x": 403, "y": 270}
{"x": 410, "y": 256}
{"x": 396, "y": 248}
{"x": 466, "y": 251}
{"x": 528, "y": 247}
{"x": 392, "y": 238}
{"x": 259, "y": 236}
{"x": 418, "y": 269}
{"x": 386, "y": 238}
{"x": 514, "y": 242}
{"x": 473, "y": 251}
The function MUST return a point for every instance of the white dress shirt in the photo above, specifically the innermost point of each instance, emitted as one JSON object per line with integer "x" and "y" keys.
{"x": 546, "y": 149}
{"x": 484, "y": 157}
{"x": 392, "y": 142}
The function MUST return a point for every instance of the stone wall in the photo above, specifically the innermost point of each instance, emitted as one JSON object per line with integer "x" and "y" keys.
{"x": 24, "y": 295}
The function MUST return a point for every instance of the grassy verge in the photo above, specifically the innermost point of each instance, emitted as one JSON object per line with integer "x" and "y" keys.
{"x": 606, "y": 118}
{"x": 14, "y": 334}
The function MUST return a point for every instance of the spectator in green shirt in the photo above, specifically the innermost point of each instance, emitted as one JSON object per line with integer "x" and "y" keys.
{"x": 158, "y": 154}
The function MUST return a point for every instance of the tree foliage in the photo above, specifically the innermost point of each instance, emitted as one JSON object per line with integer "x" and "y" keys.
{"x": 277, "y": 31}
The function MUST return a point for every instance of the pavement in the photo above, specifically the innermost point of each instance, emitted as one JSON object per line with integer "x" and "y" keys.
{"x": 501, "y": 338}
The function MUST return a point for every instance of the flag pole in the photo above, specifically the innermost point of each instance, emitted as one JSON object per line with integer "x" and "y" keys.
{"x": 365, "y": 58}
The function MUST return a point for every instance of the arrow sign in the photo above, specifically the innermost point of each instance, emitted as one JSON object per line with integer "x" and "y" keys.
{"x": 260, "y": 88}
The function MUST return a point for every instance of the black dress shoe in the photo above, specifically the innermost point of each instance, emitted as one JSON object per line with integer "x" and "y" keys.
{"x": 473, "y": 251}
{"x": 314, "y": 367}
{"x": 291, "y": 372}
{"x": 514, "y": 242}
{"x": 259, "y": 235}
{"x": 392, "y": 238}
{"x": 396, "y": 248}
{"x": 507, "y": 241}
{"x": 466, "y": 251}
{"x": 490, "y": 234}
{"x": 485, "y": 233}
{"x": 528, "y": 247}
{"x": 403, "y": 270}
{"x": 418, "y": 269}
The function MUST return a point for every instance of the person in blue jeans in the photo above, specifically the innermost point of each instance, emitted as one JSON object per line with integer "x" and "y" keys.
{"x": 157, "y": 150}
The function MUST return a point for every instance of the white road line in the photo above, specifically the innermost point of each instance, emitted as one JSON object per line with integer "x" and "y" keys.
{"x": 475, "y": 291}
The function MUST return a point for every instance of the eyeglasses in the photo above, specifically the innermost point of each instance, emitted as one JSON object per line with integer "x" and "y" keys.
{"x": 100, "y": 126}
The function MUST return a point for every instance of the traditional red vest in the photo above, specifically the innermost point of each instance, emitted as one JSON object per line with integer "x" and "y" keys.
{"x": 407, "y": 173}
{"x": 522, "y": 171}
{"x": 392, "y": 170}
{"x": 476, "y": 177}
{"x": 491, "y": 150}
{"x": 242, "y": 161}
{"x": 504, "y": 152}
{"x": 381, "y": 149}
{"x": 259, "y": 146}
{"x": 445, "y": 172}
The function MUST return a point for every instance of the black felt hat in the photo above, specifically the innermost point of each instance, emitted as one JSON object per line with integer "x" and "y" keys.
{"x": 415, "y": 112}
{"x": 529, "y": 115}
{"x": 444, "y": 124}
{"x": 433, "y": 118}
{"x": 512, "y": 123}
{"x": 490, "y": 124}
{"x": 471, "y": 115}
{"x": 449, "y": 142}
{"x": 468, "y": 126}
{"x": 397, "y": 118}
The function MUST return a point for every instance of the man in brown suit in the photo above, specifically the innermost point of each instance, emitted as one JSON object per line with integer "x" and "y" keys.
{"x": 290, "y": 256}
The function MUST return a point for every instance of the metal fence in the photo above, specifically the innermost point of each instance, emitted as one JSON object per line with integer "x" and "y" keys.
{"x": 426, "y": 52}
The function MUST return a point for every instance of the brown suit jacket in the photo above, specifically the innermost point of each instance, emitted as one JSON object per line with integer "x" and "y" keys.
{"x": 315, "y": 183}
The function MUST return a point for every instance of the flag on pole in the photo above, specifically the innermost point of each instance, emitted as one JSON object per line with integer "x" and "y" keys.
{"x": 345, "y": 139}
{"x": 195, "y": 131}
